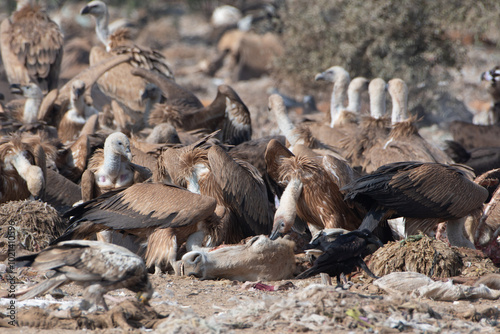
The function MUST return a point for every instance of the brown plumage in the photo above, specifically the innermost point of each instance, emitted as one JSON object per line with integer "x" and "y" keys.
{"x": 486, "y": 227}
{"x": 32, "y": 47}
{"x": 312, "y": 191}
{"x": 161, "y": 214}
{"x": 243, "y": 206}
{"x": 78, "y": 114}
{"x": 297, "y": 135}
{"x": 424, "y": 193}
{"x": 346, "y": 119}
{"x": 56, "y": 102}
{"x": 227, "y": 112}
{"x": 119, "y": 83}
{"x": 21, "y": 176}
{"x": 99, "y": 267}
{"x": 403, "y": 143}
{"x": 111, "y": 168}
{"x": 177, "y": 96}
{"x": 371, "y": 128}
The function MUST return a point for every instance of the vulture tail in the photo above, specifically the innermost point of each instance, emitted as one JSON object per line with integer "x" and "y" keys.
{"x": 42, "y": 287}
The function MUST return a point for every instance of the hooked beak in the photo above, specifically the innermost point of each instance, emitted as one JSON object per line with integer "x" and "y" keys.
{"x": 275, "y": 235}
{"x": 85, "y": 10}
{"x": 319, "y": 77}
{"x": 16, "y": 89}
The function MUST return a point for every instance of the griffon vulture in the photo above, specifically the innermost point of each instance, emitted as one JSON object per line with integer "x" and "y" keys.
{"x": 99, "y": 267}
{"x": 32, "y": 47}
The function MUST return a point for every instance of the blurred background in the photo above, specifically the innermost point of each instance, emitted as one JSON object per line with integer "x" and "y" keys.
{"x": 438, "y": 47}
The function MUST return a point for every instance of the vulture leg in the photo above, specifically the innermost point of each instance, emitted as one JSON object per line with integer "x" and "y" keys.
{"x": 363, "y": 266}
{"x": 372, "y": 219}
{"x": 325, "y": 279}
{"x": 455, "y": 231}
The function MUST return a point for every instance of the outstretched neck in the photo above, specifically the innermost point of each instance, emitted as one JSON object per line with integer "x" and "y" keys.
{"x": 102, "y": 29}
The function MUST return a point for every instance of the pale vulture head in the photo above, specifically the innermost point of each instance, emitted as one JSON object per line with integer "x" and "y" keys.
{"x": 77, "y": 89}
{"x": 119, "y": 144}
{"x": 29, "y": 91}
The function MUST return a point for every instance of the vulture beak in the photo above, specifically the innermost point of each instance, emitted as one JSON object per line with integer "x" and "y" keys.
{"x": 144, "y": 95}
{"x": 16, "y": 89}
{"x": 85, "y": 10}
{"x": 319, "y": 76}
{"x": 275, "y": 235}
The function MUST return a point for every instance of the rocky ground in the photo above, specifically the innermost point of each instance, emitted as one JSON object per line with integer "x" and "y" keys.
{"x": 188, "y": 305}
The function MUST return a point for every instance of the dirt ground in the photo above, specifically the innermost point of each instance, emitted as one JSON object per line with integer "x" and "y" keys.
{"x": 188, "y": 305}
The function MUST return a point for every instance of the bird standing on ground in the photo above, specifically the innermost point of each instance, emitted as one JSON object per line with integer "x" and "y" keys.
{"x": 99, "y": 267}
{"x": 343, "y": 255}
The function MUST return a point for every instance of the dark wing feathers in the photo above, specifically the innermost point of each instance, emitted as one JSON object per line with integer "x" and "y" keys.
{"x": 143, "y": 205}
{"x": 420, "y": 190}
{"x": 243, "y": 189}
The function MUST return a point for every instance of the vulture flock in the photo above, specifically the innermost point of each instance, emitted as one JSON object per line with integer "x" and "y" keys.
{"x": 157, "y": 173}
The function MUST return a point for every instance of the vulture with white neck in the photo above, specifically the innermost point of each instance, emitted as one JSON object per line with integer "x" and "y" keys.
{"x": 119, "y": 83}
{"x": 298, "y": 137}
{"x": 243, "y": 206}
{"x": 76, "y": 117}
{"x": 111, "y": 168}
{"x": 341, "y": 121}
{"x": 403, "y": 143}
{"x": 311, "y": 191}
{"x": 371, "y": 128}
{"x": 32, "y": 47}
{"x": 22, "y": 168}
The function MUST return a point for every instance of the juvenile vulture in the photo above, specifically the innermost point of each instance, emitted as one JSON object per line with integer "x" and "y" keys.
{"x": 111, "y": 168}
{"x": 99, "y": 267}
{"x": 22, "y": 168}
{"x": 403, "y": 143}
{"x": 32, "y": 47}
{"x": 424, "y": 193}
{"x": 161, "y": 215}
{"x": 242, "y": 200}
{"x": 343, "y": 255}
{"x": 311, "y": 191}
{"x": 119, "y": 83}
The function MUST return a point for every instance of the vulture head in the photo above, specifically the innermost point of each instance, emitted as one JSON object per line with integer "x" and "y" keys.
{"x": 29, "y": 91}
{"x": 151, "y": 93}
{"x": 95, "y": 8}
{"x": 398, "y": 90}
{"x": 18, "y": 156}
{"x": 334, "y": 74}
{"x": 376, "y": 90}
{"x": 118, "y": 144}
{"x": 77, "y": 89}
